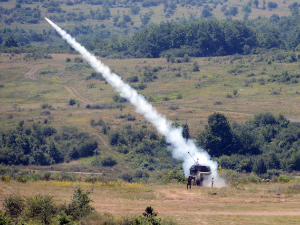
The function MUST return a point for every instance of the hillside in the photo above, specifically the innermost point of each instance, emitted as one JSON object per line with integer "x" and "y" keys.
{"x": 109, "y": 19}
{"x": 237, "y": 86}
{"x": 56, "y": 109}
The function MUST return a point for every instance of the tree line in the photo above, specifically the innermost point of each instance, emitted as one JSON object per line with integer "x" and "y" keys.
{"x": 198, "y": 38}
{"x": 265, "y": 143}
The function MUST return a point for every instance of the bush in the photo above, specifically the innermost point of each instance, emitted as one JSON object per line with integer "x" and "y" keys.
{"x": 186, "y": 58}
{"x": 80, "y": 205}
{"x": 195, "y": 67}
{"x": 259, "y": 167}
{"x": 254, "y": 178}
{"x": 41, "y": 208}
{"x": 127, "y": 177}
{"x": 78, "y": 60}
{"x": 108, "y": 161}
{"x": 173, "y": 107}
{"x": 72, "y": 101}
{"x": 46, "y": 105}
{"x": 282, "y": 179}
{"x": 13, "y": 206}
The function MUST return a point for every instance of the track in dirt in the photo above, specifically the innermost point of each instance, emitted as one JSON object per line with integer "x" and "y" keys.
{"x": 31, "y": 72}
{"x": 75, "y": 93}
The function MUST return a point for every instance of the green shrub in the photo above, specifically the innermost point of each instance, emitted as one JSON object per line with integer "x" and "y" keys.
{"x": 41, "y": 208}
{"x": 254, "y": 178}
{"x": 282, "y": 179}
{"x": 195, "y": 67}
{"x": 108, "y": 161}
{"x": 127, "y": 177}
{"x": 80, "y": 205}
{"x": 72, "y": 101}
{"x": 13, "y": 206}
{"x": 78, "y": 60}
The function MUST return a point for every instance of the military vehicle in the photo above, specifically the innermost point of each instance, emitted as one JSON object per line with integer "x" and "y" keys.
{"x": 198, "y": 173}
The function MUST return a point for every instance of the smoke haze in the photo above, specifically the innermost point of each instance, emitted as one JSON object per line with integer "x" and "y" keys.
{"x": 180, "y": 147}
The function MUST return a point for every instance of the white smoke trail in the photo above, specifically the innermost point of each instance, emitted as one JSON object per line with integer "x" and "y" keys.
{"x": 181, "y": 147}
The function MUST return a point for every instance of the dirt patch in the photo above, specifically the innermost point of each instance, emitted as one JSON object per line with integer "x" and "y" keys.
{"x": 31, "y": 72}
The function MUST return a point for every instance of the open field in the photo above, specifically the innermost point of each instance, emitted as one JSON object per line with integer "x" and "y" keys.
{"x": 265, "y": 203}
{"x": 204, "y": 92}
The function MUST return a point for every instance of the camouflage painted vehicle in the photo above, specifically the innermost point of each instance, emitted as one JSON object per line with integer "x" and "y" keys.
{"x": 199, "y": 173}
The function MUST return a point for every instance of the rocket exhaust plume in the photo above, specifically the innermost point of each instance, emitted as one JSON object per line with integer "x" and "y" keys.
{"x": 180, "y": 146}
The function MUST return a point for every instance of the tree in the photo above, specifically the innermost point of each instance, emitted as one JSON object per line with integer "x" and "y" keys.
{"x": 135, "y": 10}
{"x": 72, "y": 101}
{"x": 80, "y": 205}
{"x": 196, "y": 67}
{"x": 145, "y": 19}
{"x": 185, "y": 131}
{"x": 247, "y": 9}
{"x": 108, "y": 161}
{"x": 217, "y": 138}
{"x": 256, "y": 3}
{"x": 233, "y": 10}
{"x": 259, "y": 167}
{"x": 294, "y": 8}
{"x": 13, "y": 205}
{"x": 126, "y": 18}
{"x": 10, "y": 42}
{"x": 272, "y": 5}
{"x": 206, "y": 13}
{"x": 41, "y": 207}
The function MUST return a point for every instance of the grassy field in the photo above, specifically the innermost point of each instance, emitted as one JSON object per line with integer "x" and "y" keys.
{"x": 264, "y": 203}
{"x": 203, "y": 93}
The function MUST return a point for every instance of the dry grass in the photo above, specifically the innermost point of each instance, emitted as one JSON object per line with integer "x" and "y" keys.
{"x": 252, "y": 203}
{"x": 22, "y": 97}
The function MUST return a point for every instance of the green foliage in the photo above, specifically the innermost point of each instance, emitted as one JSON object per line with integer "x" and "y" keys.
{"x": 185, "y": 131}
{"x": 77, "y": 67}
{"x": 80, "y": 205}
{"x": 72, "y": 101}
{"x": 43, "y": 145}
{"x": 108, "y": 161}
{"x": 4, "y": 220}
{"x": 259, "y": 167}
{"x": 282, "y": 179}
{"x": 118, "y": 98}
{"x": 218, "y": 138}
{"x": 13, "y": 205}
{"x": 41, "y": 208}
{"x": 10, "y": 42}
{"x": 195, "y": 67}
{"x": 78, "y": 60}
{"x": 206, "y": 11}
{"x": 272, "y": 5}
{"x": 105, "y": 106}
